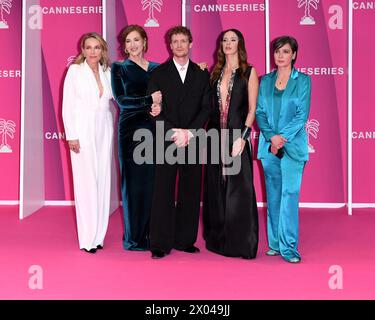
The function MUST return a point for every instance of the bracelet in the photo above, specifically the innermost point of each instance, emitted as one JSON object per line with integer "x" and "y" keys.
{"x": 246, "y": 133}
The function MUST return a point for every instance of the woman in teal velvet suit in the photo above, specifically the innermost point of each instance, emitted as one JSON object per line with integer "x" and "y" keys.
{"x": 282, "y": 111}
{"x": 137, "y": 109}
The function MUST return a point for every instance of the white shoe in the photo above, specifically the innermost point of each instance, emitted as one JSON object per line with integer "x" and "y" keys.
{"x": 293, "y": 260}
{"x": 272, "y": 252}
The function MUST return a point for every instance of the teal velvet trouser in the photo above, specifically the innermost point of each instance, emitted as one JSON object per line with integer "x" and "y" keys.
{"x": 283, "y": 179}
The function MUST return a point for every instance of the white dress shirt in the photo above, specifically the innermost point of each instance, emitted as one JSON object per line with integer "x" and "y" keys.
{"x": 182, "y": 70}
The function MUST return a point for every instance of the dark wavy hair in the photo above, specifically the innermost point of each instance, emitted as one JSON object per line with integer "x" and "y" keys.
{"x": 125, "y": 32}
{"x": 242, "y": 56}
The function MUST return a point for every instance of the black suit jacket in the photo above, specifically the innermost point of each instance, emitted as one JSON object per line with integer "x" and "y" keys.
{"x": 185, "y": 105}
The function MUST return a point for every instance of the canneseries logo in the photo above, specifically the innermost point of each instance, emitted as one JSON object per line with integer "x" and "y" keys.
{"x": 7, "y": 130}
{"x": 307, "y": 19}
{"x": 151, "y": 6}
{"x": 5, "y": 6}
{"x": 312, "y": 129}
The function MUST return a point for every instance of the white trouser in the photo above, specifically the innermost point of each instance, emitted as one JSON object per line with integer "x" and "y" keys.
{"x": 92, "y": 180}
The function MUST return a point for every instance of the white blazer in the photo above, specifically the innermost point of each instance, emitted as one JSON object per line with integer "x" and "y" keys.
{"x": 81, "y": 101}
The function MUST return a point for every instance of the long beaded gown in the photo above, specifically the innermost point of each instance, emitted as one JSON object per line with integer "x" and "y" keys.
{"x": 230, "y": 212}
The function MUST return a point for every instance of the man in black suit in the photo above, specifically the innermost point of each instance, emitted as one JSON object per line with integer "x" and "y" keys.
{"x": 185, "y": 109}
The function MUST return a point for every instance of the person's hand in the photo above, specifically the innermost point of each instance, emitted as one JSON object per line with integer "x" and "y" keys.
{"x": 202, "y": 65}
{"x": 178, "y": 137}
{"x": 155, "y": 109}
{"x": 274, "y": 150}
{"x": 74, "y": 145}
{"x": 278, "y": 141}
{"x": 181, "y": 137}
{"x": 238, "y": 147}
{"x": 156, "y": 97}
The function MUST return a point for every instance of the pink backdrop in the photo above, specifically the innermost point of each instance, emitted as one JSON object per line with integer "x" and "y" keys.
{"x": 323, "y": 54}
{"x": 130, "y": 12}
{"x": 60, "y": 44}
{"x": 10, "y": 101}
{"x": 363, "y": 103}
{"x": 216, "y": 16}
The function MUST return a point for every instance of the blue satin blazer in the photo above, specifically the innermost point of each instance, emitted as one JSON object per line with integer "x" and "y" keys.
{"x": 294, "y": 112}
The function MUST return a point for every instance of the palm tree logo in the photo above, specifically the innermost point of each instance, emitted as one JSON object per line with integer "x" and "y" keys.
{"x": 307, "y": 19}
{"x": 151, "y": 5}
{"x": 7, "y": 129}
{"x": 70, "y": 60}
{"x": 5, "y": 6}
{"x": 312, "y": 129}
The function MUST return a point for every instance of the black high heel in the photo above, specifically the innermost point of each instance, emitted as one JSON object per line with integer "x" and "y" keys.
{"x": 91, "y": 250}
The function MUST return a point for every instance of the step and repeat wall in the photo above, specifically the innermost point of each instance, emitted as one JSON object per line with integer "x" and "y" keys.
{"x": 321, "y": 28}
{"x": 10, "y": 98}
{"x": 60, "y": 43}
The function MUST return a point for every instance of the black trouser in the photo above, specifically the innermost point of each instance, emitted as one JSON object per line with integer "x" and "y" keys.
{"x": 175, "y": 226}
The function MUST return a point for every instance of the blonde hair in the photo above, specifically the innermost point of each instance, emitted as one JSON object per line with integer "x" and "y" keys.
{"x": 104, "y": 61}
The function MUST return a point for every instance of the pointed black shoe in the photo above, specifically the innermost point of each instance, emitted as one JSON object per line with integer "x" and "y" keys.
{"x": 247, "y": 257}
{"x": 191, "y": 249}
{"x": 91, "y": 250}
{"x": 99, "y": 247}
{"x": 157, "y": 254}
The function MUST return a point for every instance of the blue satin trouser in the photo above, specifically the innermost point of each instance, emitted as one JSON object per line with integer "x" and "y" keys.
{"x": 283, "y": 179}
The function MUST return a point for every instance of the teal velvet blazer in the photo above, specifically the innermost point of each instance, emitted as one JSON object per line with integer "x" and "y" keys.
{"x": 294, "y": 113}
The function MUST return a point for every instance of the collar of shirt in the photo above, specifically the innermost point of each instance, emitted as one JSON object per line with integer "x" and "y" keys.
{"x": 182, "y": 70}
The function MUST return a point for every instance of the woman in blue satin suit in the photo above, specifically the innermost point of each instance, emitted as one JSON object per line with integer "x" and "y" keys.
{"x": 282, "y": 111}
{"x": 137, "y": 109}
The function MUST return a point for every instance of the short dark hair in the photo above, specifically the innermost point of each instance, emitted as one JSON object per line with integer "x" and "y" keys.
{"x": 125, "y": 32}
{"x": 179, "y": 30}
{"x": 283, "y": 40}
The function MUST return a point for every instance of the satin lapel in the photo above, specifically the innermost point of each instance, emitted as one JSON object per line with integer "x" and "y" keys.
{"x": 91, "y": 83}
{"x": 105, "y": 82}
{"x": 271, "y": 88}
{"x": 189, "y": 80}
{"x": 291, "y": 86}
{"x": 174, "y": 83}
{"x": 174, "y": 75}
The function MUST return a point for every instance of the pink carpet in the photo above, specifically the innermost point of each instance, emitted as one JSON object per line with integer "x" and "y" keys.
{"x": 48, "y": 239}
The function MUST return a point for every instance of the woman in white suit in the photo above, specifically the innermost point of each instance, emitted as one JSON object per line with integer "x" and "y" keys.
{"x": 88, "y": 126}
